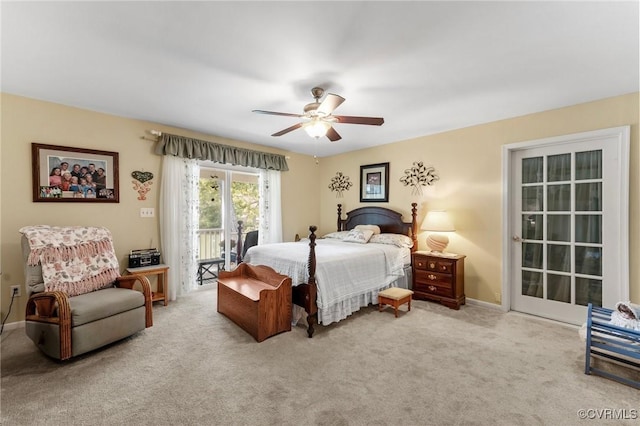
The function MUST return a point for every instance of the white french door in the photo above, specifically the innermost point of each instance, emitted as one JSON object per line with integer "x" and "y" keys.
{"x": 567, "y": 236}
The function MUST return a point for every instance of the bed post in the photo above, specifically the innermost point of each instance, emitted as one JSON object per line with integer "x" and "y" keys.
{"x": 339, "y": 217}
{"x": 414, "y": 226}
{"x": 312, "y": 311}
{"x": 239, "y": 243}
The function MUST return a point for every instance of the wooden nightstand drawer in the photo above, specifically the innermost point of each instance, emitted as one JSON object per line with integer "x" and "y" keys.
{"x": 434, "y": 288}
{"x": 430, "y": 264}
{"x": 437, "y": 278}
{"x": 446, "y": 267}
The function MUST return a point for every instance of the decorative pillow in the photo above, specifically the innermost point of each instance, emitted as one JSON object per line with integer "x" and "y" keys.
{"x": 358, "y": 236}
{"x": 339, "y": 235}
{"x": 374, "y": 228}
{"x": 398, "y": 240}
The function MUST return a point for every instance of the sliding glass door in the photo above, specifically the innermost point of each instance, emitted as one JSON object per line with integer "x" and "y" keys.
{"x": 227, "y": 196}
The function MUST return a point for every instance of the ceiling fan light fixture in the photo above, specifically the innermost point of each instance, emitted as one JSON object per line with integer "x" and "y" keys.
{"x": 317, "y": 128}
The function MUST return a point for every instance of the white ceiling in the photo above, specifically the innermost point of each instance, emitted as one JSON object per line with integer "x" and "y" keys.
{"x": 426, "y": 67}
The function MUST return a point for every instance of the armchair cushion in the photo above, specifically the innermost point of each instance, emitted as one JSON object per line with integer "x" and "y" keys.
{"x": 90, "y": 307}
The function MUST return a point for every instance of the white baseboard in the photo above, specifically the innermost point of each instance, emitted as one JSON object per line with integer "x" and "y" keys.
{"x": 484, "y": 304}
{"x": 14, "y": 325}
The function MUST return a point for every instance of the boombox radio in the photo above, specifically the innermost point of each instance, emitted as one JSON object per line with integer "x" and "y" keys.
{"x": 144, "y": 257}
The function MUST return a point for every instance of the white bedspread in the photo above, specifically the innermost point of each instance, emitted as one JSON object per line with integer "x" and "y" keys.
{"x": 348, "y": 275}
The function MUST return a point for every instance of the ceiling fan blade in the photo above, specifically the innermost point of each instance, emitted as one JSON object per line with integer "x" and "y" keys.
{"x": 286, "y": 114}
{"x": 330, "y": 103}
{"x": 288, "y": 129}
{"x": 374, "y": 121}
{"x": 333, "y": 135}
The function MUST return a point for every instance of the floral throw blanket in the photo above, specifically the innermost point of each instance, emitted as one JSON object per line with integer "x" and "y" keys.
{"x": 74, "y": 259}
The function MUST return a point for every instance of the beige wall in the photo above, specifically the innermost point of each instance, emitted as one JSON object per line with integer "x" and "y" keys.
{"x": 25, "y": 121}
{"x": 469, "y": 163}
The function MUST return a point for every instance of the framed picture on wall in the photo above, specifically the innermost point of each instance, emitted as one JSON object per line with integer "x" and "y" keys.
{"x": 65, "y": 174}
{"x": 374, "y": 183}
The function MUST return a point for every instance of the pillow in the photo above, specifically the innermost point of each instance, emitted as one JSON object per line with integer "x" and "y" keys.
{"x": 339, "y": 235}
{"x": 358, "y": 236}
{"x": 374, "y": 228}
{"x": 398, "y": 240}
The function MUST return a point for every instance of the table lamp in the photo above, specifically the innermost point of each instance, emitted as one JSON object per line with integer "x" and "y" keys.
{"x": 437, "y": 221}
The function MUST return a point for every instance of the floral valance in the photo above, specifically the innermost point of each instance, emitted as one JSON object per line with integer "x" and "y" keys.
{"x": 184, "y": 147}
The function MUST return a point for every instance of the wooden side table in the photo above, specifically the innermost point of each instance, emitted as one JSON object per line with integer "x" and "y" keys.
{"x": 162, "y": 290}
{"x": 439, "y": 277}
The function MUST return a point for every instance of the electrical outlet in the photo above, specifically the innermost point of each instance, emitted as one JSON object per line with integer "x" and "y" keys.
{"x": 147, "y": 212}
{"x": 16, "y": 291}
{"x": 498, "y": 297}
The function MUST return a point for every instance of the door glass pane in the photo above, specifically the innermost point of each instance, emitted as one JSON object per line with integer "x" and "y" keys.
{"x": 588, "y": 291}
{"x": 245, "y": 200}
{"x": 559, "y": 227}
{"x": 532, "y": 199}
{"x": 589, "y": 165}
{"x": 210, "y": 232}
{"x": 532, "y": 284}
{"x": 588, "y": 228}
{"x": 532, "y": 170}
{"x": 559, "y": 198}
{"x": 558, "y": 167}
{"x": 532, "y": 226}
{"x": 559, "y": 258}
{"x": 589, "y": 197}
{"x": 559, "y": 288}
{"x": 532, "y": 255}
{"x": 589, "y": 260}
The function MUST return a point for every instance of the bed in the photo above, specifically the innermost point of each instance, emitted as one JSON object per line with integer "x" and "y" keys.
{"x": 333, "y": 277}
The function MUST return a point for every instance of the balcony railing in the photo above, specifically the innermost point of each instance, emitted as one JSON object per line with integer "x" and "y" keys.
{"x": 209, "y": 242}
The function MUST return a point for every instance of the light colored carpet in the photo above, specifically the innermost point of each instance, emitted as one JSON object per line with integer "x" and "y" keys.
{"x": 432, "y": 365}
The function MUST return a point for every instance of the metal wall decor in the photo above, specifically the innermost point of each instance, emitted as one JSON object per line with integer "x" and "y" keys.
{"x": 340, "y": 183}
{"x": 418, "y": 176}
{"x": 142, "y": 183}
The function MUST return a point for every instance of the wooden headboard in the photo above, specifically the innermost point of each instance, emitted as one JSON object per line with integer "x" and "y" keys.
{"x": 388, "y": 220}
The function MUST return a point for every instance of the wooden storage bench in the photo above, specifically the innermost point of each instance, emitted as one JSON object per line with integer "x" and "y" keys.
{"x": 256, "y": 298}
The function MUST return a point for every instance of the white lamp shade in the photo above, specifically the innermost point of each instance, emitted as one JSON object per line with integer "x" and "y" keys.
{"x": 438, "y": 221}
{"x": 317, "y": 128}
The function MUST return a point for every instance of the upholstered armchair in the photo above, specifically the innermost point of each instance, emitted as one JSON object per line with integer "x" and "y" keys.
{"x": 78, "y": 301}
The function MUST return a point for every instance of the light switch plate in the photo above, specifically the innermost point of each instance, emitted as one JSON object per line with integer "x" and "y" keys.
{"x": 147, "y": 212}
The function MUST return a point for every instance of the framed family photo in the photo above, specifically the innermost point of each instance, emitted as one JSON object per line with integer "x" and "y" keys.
{"x": 65, "y": 174}
{"x": 374, "y": 183}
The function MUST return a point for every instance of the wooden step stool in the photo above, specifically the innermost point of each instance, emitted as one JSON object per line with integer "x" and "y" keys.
{"x": 394, "y": 296}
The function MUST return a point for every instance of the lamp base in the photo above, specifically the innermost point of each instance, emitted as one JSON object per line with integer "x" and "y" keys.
{"x": 437, "y": 242}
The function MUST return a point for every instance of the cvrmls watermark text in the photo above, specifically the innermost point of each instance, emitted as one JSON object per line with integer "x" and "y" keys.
{"x": 608, "y": 414}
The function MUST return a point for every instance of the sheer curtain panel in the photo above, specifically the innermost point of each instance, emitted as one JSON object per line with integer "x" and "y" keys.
{"x": 270, "y": 208}
{"x": 179, "y": 222}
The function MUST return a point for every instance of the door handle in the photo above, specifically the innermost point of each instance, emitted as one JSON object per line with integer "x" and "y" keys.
{"x": 516, "y": 239}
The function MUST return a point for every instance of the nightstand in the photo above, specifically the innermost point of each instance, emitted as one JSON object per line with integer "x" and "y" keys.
{"x": 438, "y": 277}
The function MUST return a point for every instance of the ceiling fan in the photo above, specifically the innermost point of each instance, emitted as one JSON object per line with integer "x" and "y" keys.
{"x": 318, "y": 118}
